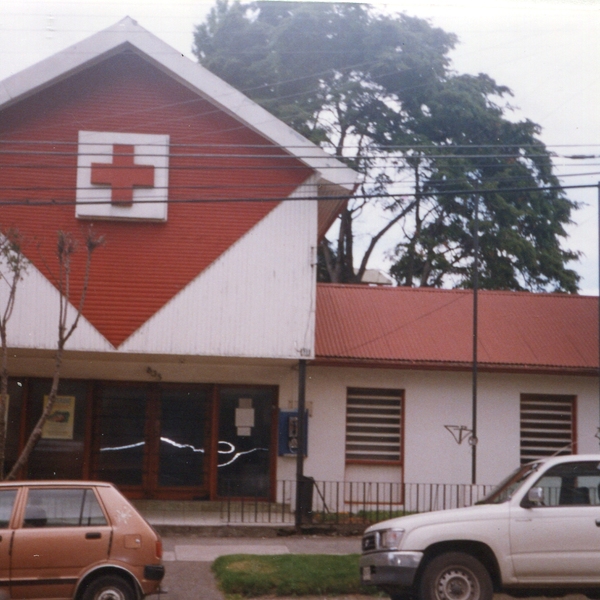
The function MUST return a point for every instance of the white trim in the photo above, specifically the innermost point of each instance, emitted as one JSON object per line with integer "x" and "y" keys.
{"x": 127, "y": 33}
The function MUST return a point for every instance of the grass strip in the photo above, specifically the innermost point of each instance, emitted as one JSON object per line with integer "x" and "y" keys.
{"x": 289, "y": 575}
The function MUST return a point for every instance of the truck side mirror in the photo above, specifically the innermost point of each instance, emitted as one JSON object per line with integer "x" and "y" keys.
{"x": 535, "y": 497}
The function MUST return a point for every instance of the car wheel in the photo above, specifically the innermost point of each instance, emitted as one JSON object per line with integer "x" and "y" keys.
{"x": 109, "y": 587}
{"x": 455, "y": 576}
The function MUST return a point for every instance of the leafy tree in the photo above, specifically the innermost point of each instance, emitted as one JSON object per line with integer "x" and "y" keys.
{"x": 379, "y": 93}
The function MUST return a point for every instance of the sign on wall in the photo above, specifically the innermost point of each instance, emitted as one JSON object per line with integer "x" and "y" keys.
{"x": 122, "y": 176}
{"x": 59, "y": 425}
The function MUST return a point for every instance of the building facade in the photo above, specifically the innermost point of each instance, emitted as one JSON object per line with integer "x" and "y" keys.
{"x": 181, "y": 379}
{"x": 202, "y": 299}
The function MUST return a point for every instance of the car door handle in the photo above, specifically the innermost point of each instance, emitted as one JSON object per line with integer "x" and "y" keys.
{"x": 597, "y": 522}
{"x": 93, "y": 535}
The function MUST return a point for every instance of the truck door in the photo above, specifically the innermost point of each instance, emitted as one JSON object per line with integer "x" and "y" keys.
{"x": 559, "y": 540}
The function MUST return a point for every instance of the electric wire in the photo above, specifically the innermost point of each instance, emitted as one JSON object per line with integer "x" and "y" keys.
{"x": 464, "y": 192}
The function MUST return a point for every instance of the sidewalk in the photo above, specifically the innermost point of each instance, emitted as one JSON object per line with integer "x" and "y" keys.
{"x": 206, "y": 549}
{"x": 221, "y": 520}
{"x": 202, "y": 513}
{"x": 188, "y": 558}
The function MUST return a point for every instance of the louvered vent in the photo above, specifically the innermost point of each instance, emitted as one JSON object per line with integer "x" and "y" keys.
{"x": 546, "y": 426}
{"x": 373, "y": 425}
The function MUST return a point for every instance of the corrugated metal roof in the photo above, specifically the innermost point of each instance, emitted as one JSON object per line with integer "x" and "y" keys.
{"x": 424, "y": 326}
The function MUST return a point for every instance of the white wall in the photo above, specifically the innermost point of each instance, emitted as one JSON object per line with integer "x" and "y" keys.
{"x": 256, "y": 300}
{"x": 432, "y": 400}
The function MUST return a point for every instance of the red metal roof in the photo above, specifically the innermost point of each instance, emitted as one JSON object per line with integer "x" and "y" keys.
{"x": 432, "y": 327}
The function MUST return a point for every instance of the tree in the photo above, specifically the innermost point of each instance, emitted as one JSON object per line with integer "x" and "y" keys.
{"x": 12, "y": 266}
{"x": 378, "y": 92}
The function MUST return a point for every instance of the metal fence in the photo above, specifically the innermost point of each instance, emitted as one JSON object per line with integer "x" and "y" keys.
{"x": 349, "y": 502}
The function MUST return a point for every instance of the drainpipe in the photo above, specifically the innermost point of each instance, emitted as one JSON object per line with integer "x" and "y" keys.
{"x": 301, "y": 441}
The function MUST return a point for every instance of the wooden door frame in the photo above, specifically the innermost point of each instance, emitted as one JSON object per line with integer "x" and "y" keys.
{"x": 149, "y": 487}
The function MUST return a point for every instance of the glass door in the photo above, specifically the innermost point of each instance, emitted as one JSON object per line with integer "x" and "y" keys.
{"x": 183, "y": 434}
{"x": 151, "y": 440}
{"x": 120, "y": 434}
{"x": 245, "y": 443}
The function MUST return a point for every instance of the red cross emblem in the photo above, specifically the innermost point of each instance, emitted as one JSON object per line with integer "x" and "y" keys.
{"x": 122, "y": 175}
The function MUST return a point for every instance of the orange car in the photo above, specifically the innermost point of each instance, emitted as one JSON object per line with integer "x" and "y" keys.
{"x": 83, "y": 540}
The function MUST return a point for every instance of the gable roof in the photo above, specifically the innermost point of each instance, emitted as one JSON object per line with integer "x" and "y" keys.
{"x": 432, "y": 328}
{"x": 336, "y": 181}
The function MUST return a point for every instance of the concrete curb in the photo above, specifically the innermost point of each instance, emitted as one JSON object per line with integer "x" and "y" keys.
{"x": 257, "y": 531}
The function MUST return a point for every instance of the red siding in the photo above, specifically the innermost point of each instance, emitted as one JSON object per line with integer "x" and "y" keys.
{"x": 143, "y": 265}
{"x": 424, "y": 326}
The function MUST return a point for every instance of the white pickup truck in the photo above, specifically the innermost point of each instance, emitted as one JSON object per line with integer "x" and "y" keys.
{"x": 536, "y": 534}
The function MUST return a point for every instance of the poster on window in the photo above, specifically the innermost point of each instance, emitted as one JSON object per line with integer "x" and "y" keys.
{"x": 59, "y": 425}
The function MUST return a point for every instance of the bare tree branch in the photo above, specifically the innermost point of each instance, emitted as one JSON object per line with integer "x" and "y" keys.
{"x": 13, "y": 265}
{"x": 66, "y": 246}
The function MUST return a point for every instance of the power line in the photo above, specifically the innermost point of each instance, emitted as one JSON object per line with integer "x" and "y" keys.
{"x": 273, "y": 145}
{"x": 245, "y": 185}
{"x": 475, "y": 192}
{"x": 280, "y": 157}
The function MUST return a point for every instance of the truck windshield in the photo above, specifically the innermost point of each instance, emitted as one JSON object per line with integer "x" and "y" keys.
{"x": 510, "y": 485}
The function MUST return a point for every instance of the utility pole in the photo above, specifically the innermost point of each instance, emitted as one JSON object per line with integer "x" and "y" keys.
{"x": 473, "y": 438}
{"x": 300, "y": 482}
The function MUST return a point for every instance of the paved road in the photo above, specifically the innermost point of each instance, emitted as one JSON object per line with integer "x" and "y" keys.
{"x": 188, "y": 559}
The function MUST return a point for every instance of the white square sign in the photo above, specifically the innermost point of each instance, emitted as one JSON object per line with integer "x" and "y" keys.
{"x": 122, "y": 176}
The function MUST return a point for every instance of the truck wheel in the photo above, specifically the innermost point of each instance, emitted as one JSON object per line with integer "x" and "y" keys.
{"x": 455, "y": 576}
{"x": 109, "y": 587}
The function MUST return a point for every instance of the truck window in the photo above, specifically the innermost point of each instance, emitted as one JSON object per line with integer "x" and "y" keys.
{"x": 510, "y": 485}
{"x": 571, "y": 484}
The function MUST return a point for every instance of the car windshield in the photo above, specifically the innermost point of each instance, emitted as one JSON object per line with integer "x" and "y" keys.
{"x": 510, "y": 485}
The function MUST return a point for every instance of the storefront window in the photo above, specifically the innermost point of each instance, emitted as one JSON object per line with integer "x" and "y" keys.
{"x": 182, "y": 436}
{"x": 59, "y": 454}
{"x": 16, "y": 389}
{"x": 120, "y": 434}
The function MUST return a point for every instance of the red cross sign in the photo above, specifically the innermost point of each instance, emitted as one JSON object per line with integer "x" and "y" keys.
{"x": 122, "y": 175}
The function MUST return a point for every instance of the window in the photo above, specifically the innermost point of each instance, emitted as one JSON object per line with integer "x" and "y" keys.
{"x": 7, "y": 500}
{"x": 374, "y": 425}
{"x": 57, "y": 456}
{"x": 62, "y": 508}
{"x": 547, "y": 426}
{"x": 571, "y": 484}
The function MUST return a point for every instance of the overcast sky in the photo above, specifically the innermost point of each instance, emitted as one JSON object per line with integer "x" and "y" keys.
{"x": 546, "y": 51}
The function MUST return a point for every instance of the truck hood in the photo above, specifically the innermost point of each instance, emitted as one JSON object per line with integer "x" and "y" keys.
{"x": 438, "y": 517}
